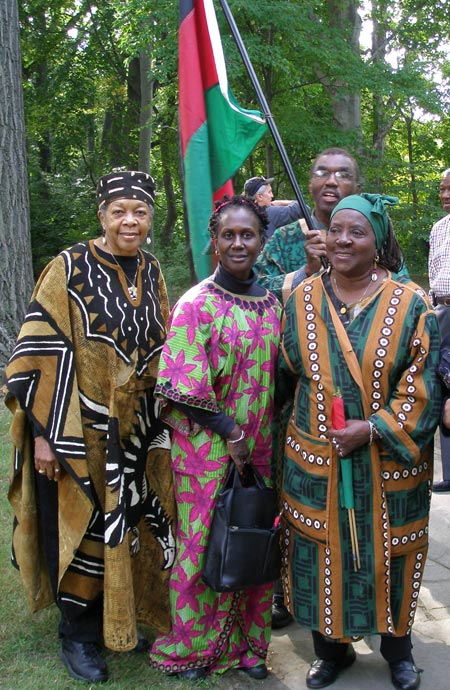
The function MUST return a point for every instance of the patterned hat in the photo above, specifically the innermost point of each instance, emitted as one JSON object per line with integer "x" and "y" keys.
{"x": 130, "y": 184}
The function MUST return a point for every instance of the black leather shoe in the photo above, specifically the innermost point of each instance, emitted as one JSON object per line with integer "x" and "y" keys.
{"x": 83, "y": 661}
{"x": 193, "y": 674}
{"x": 442, "y": 487}
{"x": 142, "y": 644}
{"x": 257, "y": 672}
{"x": 280, "y": 615}
{"x": 323, "y": 672}
{"x": 405, "y": 675}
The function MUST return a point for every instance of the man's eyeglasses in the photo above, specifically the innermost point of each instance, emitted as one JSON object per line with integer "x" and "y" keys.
{"x": 324, "y": 174}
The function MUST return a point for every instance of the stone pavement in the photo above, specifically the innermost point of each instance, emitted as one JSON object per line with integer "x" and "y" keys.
{"x": 291, "y": 650}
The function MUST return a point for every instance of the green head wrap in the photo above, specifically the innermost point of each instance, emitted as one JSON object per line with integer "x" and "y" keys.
{"x": 373, "y": 207}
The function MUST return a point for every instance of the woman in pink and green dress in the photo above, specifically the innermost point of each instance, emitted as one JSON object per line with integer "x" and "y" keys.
{"x": 216, "y": 380}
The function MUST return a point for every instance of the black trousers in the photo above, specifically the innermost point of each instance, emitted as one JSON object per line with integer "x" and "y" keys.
{"x": 443, "y": 317}
{"x": 391, "y": 648}
{"x": 85, "y": 623}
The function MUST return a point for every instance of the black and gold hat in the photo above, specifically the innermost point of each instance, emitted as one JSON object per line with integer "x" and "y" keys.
{"x": 129, "y": 184}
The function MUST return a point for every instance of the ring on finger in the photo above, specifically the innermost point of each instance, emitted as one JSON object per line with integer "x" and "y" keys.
{"x": 57, "y": 470}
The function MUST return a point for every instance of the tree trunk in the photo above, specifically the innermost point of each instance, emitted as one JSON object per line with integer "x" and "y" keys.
{"x": 171, "y": 202}
{"x": 16, "y": 272}
{"x": 344, "y": 18}
{"x": 145, "y": 131}
{"x": 409, "y": 121}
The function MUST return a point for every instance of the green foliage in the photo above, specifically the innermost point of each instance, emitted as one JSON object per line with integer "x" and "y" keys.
{"x": 82, "y": 100}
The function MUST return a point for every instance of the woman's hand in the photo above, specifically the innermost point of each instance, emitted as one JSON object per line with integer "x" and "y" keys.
{"x": 237, "y": 448}
{"x": 44, "y": 459}
{"x": 355, "y": 435}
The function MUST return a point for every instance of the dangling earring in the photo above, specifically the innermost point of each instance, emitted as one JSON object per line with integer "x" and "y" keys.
{"x": 103, "y": 237}
{"x": 376, "y": 259}
{"x": 148, "y": 239}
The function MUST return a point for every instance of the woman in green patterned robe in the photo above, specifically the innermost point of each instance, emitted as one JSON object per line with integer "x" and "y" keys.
{"x": 216, "y": 377}
{"x": 358, "y": 332}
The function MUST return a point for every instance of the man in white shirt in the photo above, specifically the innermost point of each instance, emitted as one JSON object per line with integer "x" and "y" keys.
{"x": 439, "y": 278}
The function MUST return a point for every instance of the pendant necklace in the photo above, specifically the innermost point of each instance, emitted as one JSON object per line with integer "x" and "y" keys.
{"x": 343, "y": 309}
{"x": 132, "y": 288}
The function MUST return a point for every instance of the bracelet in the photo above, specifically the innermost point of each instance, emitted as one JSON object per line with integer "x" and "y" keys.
{"x": 372, "y": 431}
{"x": 236, "y": 440}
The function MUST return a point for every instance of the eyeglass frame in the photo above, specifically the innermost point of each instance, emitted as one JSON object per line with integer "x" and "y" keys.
{"x": 324, "y": 174}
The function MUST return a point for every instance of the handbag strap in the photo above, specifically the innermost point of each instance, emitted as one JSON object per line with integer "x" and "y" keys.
{"x": 234, "y": 479}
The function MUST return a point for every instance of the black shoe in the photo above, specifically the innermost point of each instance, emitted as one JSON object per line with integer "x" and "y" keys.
{"x": 405, "y": 675}
{"x": 257, "y": 672}
{"x": 280, "y": 615}
{"x": 193, "y": 673}
{"x": 83, "y": 661}
{"x": 142, "y": 644}
{"x": 442, "y": 487}
{"x": 323, "y": 672}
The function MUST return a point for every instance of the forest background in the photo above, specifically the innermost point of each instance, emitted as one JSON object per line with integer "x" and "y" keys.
{"x": 100, "y": 90}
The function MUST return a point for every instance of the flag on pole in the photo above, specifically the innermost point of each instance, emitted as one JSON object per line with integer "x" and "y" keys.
{"x": 217, "y": 135}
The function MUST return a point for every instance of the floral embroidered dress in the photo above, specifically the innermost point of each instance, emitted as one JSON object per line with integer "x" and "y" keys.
{"x": 220, "y": 355}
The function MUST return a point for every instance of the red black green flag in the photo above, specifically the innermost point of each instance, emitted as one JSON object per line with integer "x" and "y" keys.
{"x": 217, "y": 135}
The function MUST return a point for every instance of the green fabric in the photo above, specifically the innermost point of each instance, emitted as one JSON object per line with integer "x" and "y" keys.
{"x": 213, "y": 155}
{"x": 282, "y": 254}
{"x": 395, "y": 340}
{"x": 233, "y": 133}
{"x": 372, "y": 207}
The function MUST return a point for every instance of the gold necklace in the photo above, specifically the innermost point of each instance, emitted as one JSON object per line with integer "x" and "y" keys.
{"x": 373, "y": 279}
{"x": 132, "y": 289}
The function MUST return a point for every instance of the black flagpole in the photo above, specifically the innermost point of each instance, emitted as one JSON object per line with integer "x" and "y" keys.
{"x": 268, "y": 115}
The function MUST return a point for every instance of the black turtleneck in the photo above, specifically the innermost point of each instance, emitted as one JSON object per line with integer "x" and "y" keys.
{"x": 229, "y": 282}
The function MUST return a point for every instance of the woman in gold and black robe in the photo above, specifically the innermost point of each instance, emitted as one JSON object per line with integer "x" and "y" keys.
{"x": 91, "y": 485}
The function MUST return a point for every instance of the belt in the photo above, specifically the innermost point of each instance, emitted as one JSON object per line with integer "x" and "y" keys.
{"x": 443, "y": 300}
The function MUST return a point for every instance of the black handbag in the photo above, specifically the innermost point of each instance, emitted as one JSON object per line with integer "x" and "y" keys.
{"x": 244, "y": 541}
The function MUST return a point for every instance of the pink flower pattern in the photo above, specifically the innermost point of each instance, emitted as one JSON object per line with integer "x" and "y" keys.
{"x": 228, "y": 359}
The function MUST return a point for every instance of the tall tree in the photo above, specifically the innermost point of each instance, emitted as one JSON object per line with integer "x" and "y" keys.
{"x": 16, "y": 275}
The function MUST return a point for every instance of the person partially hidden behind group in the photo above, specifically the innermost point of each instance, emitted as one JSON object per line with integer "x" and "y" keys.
{"x": 439, "y": 279}
{"x": 216, "y": 380}
{"x": 279, "y": 212}
{"x": 91, "y": 487}
{"x": 356, "y": 495}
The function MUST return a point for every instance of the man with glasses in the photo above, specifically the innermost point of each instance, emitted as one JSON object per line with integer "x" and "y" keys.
{"x": 292, "y": 254}
{"x": 279, "y": 212}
